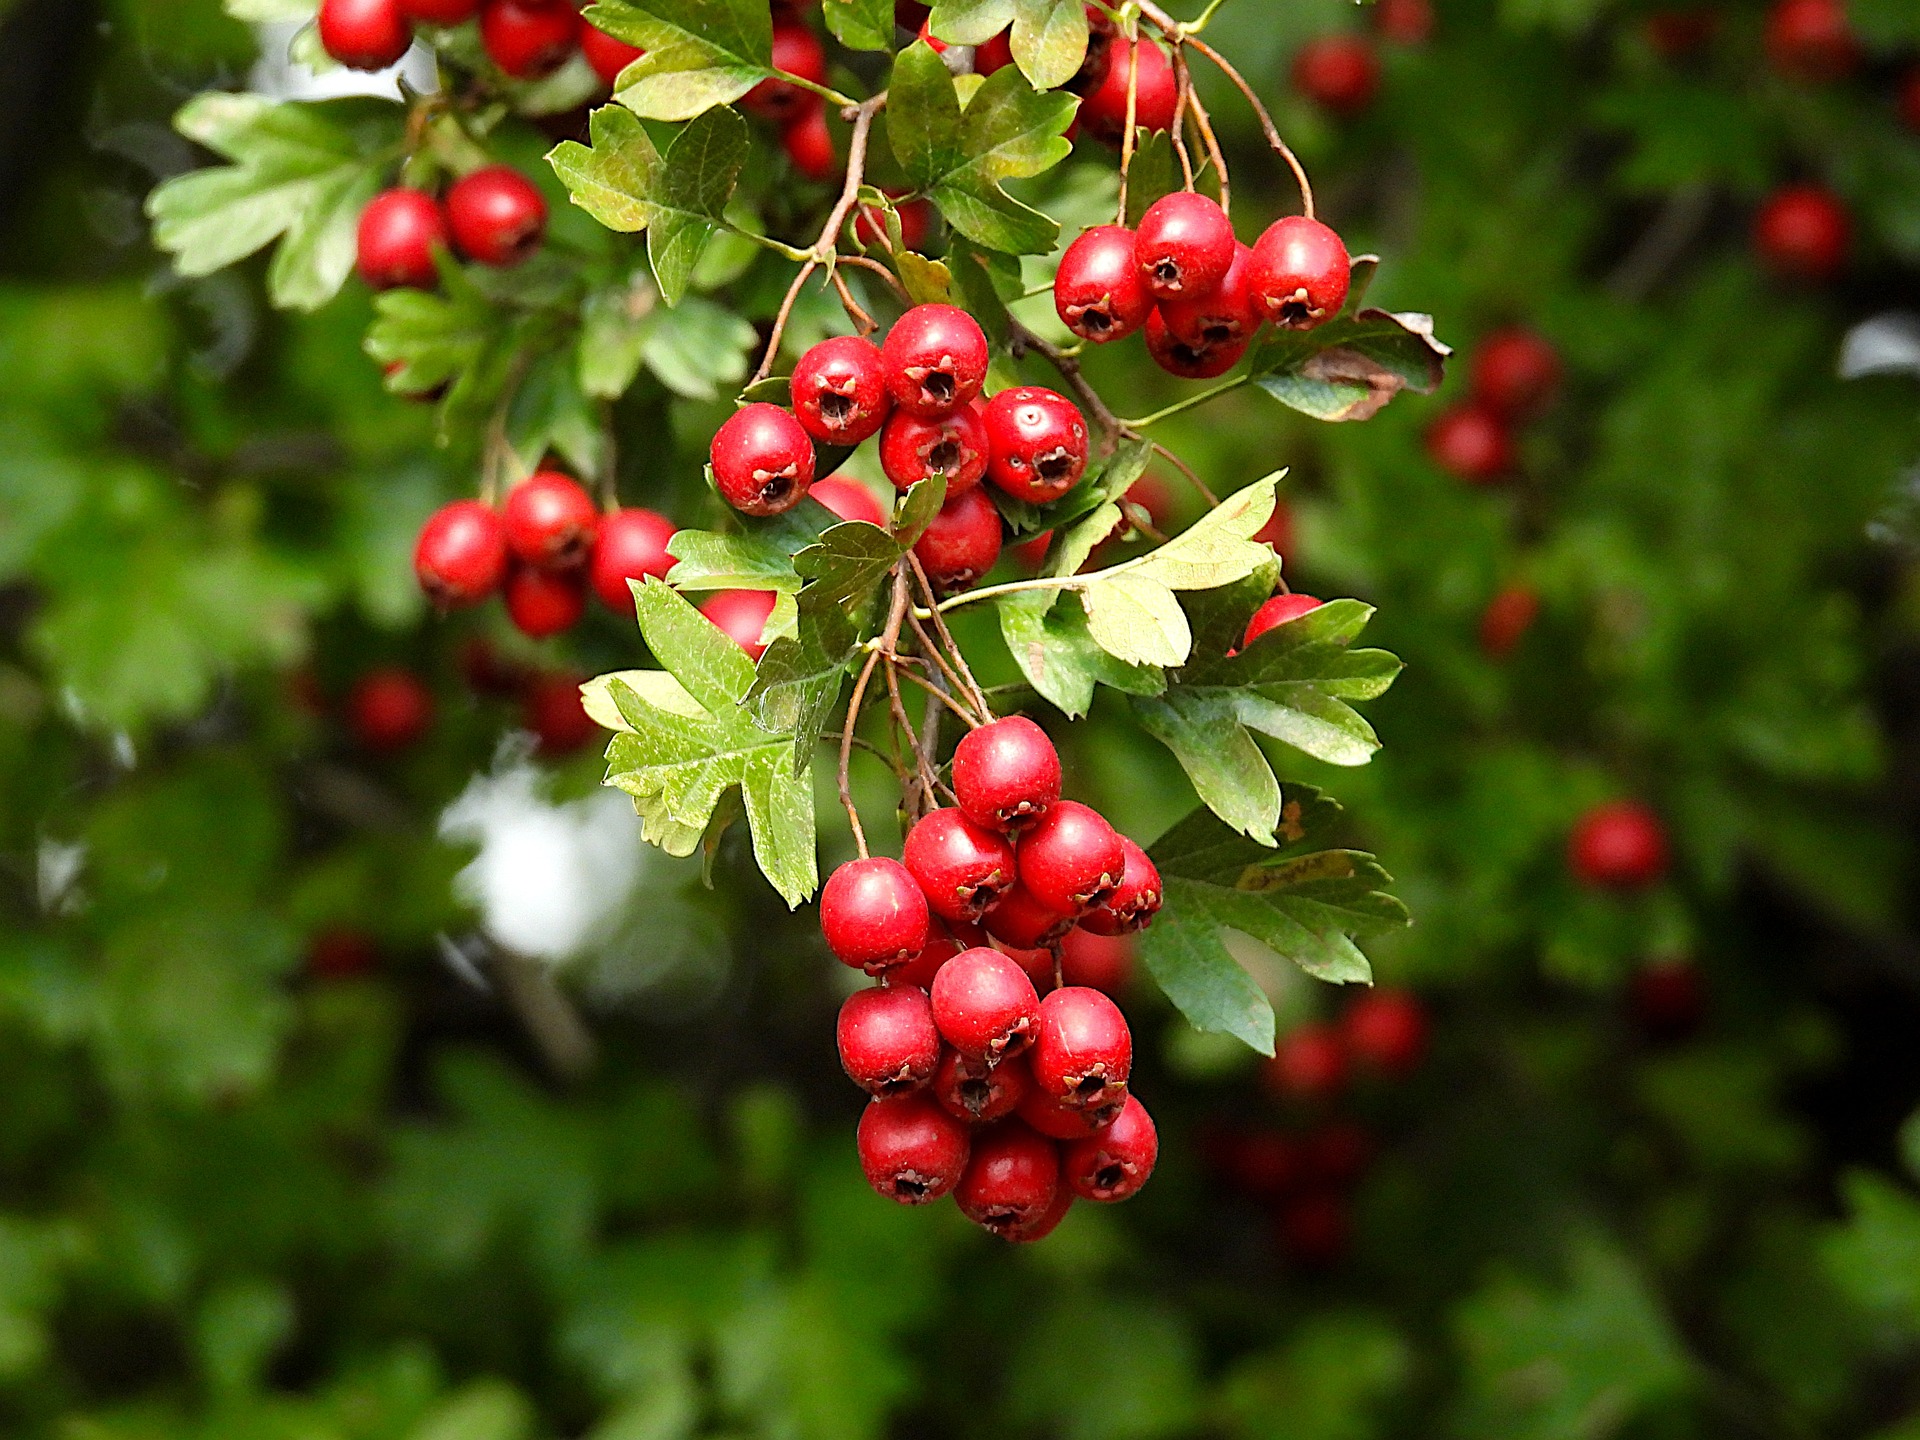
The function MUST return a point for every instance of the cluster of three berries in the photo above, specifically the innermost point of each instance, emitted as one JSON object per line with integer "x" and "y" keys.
{"x": 525, "y": 38}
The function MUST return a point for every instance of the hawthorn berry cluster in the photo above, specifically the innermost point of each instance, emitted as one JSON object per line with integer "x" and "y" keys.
{"x": 1514, "y": 376}
{"x": 527, "y": 39}
{"x": 493, "y": 216}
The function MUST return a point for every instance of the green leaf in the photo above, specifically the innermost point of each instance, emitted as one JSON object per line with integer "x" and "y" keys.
{"x": 1049, "y": 36}
{"x": 700, "y": 53}
{"x": 615, "y": 326}
{"x": 923, "y": 117}
{"x": 699, "y": 348}
{"x": 1349, "y": 368}
{"x": 757, "y": 557}
{"x": 918, "y": 509}
{"x": 612, "y": 180}
{"x": 1051, "y": 645}
{"x": 860, "y": 24}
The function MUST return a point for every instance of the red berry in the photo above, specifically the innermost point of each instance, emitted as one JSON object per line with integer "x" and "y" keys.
{"x": 994, "y": 53}
{"x": 1668, "y": 999}
{"x": 962, "y": 543}
{"x": 1515, "y": 373}
{"x": 1038, "y": 963}
{"x": 978, "y": 1093}
{"x": 1036, "y": 1231}
{"x": 741, "y": 616}
{"x": 389, "y": 709}
{"x": 554, "y": 714}
{"x": 1071, "y": 859}
{"x": 1278, "y": 532}
{"x": 1184, "y": 246}
{"x": 911, "y": 1150}
{"x": 461, "y": 556}
{"x": 631, "y": 545}
{"x": 1909, "y": 101}
{"x": 809, "y": 145}
{"x": 849, "y": 499}
{"x": 1037, "y": 441}
{"x": 1082, "y": 1049}
{"x": 1314, "y": 1229}
{"x": 551, "y": 521}
{"x": 607, "y": 55}
{"x": 873, "y": 914}
{"x": 399, "y": 231}
{"x": 1299, "y": 273}
{"x": 342, "y": 955}
{"x": 1061, "y": 1120}
{"x": 933, "y": 42}
{"x": 945, "y": 939}
{"x": 1098, "y": 292}
{"x": 439, "y": 12}
{"x": 1506, "y": 620}
{"x": 962, "y": 867}
{"x": 954, "y": 445}
{"x": 364, "y": 34}
{"x": 916, "y": 220}
{"x": 1023, "y": 923}
{"x": 1103, "y": 961}
{"x": 1275, "y": 612}
{"x": 1811, "y": 40}
{"x": 1156, "y": 92}
{"x": 888, "y": 1043}
{"x": 1336, "y": 1153}
{"x": 797, "y": 51}
{"x": 1189, "y": 362}
{"x": 762, "y": 460}
{"x": 1473, "y": 443}
{"x": 1134, "y": 901}
{"x": 1339, "y": 72}
{"x": 1404, "y": 22}
{"x": 1620, "y": 845}
{"x": 497, "y": 216}
{"x": 985, "y": 1005}
{"x": 1006, "y": 773}
{"x": 1802, "y": 231}
{"x": 1263, "y": 1164}
{"x": 1386, "y": 1031}
{"x": 529, "y": 38}
{"x": 934, "y": 360}
{"x": 1114, "y": 1164}
{"x": 1310, "y": 1064}
{"x": 1012, "y": 1179}
{"x": 545, "y": 602}
{"x": 1222, "y": 316}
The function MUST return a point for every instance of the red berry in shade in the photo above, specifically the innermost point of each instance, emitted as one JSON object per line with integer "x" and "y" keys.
{"x": 544, "y": 602}
{"x": 741, "y": 615}
{"x": 1506, "y": 620}
{"x": 1668, "y": 999}
{"x": 496, "y": 215}
{"x": 1336, "y": 1154}
{"x": 985, "y": 1005}
{"x": 762, "y": 460}
{"x": 1338, "y": 72}
{"x": 1515, "y": 372}
{"x": 439, "y": 12}
{"x": 342, "y": 955}
{"x": 945, "y": 939}
{"x": 873, "y": 914}
{"x": 1006, "y": 773}
{"x": 1071, "y": 859}
{"x": 910, "y": 14}
{"x": 1386, "y": 1032}
{"x": 962, "y": 543}
{"x": 551, "y": 521}
{"x": 916, "y": 220}
{"x": 489, "y": 673}
{"x": 1037, "y": 440}
{"x": 911, "y": 1150}
{"x": 1156, "y": 92}
{"x": 849, "y": 499}
{"x": 607, "y": 55}
{"x": 1134, "y": 901}
{"x": 399, "y": 231}
{"x": 1012, "y": 1179}
{"x": 1678, "y": 34}
{"x": 1022, "y": 922}
{"x": 1278, "y": 611}
{"x": 976, "y": 1092}
{"x": 1278, "y": 532}
{"x": 934, "y": 360}
{"x": 1184, "y": 246}
{"x": 1114, "y": 1164}
{"x": 809, "y": 145}
{"x": 995, "y": 53}
{"x": 1310, "y": 1064}
{"x": 1098, "y": 293}
{"x": 888, "y": 1043}
{"x": 1262, "y": 1164}
{"x": 461, "y": 556}
{"x": 1811, "y": 40}
{"x": 554, "y": 714}
{"x": 1314, "y": 1229}
{"x": 1082, "y": 1049}
{"x": 389, "y": 709}
{"x": 963, "y": 868}
{"x": 364, "y": 34}
{"x": 1103, "y": 961}
{"x": 797, "y": 51}
{"x": 1909, "y": 100}
{"x": 630, "y": 545}
{"x": 1620, "y": 845}
{"x": 1222, "y": 316}
{"x": 1802, "y": 231}
{"x": 1038, "y": 1230}
{"x": 955, "y": 445}
{"x": 1404, "y": 22}
{"x": 1472, "y": 443}
{"x": 1038, "y": 963}
{"x": 1299, "y": 274}
{"x": 1205, "y": 362}
{"x": 1061, "y": 1120}
{"x": 529, "y": 38}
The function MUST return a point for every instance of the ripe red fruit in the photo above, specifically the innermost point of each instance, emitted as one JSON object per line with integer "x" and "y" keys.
{"x": 607, "y": 55}
{"x": 945, "y": 939}
{"x": 1506, "y": 620}
{"x": 962, "y": 543}
{"x": 994, "y": 53}
{"x": 399, "y": 231}
{"x": 496, "y": 215}
{"x": 809, "y": 145}
{"x": 1404, "y": 22}
{"x": 1037, "y": 439}
{"x": 1472, "y": 443}
{"x": 1114, "y": 1164}
{"x": 461, "y": 556}
{"x": 1278, "y": 531}
{"x": 1310, "y": 1064}
{"x": 1024, "y": 924}
{"x": 849, "y": 499}
{"x": 554, "y": 714}
{"x": 1006, "y": 773}
{"x": 1620, "y": 845}
{"x": 1082, "y": 1049}
{"x": 1811, "y": 40}
{"x": 934, "y": 360}
{"x": 341, "y": 955}
{"x": 1275, "y": 612}
{"x": 1315, "y": 1230}
{"x": 1103, "y": 961}
{"x": 1012, "y": 1179}
{"x": 911, "y": 1150}
{"x": 741, "y": 616}
{"x": 1134, "y": 901}
{"x": 1668, "y": 999}
{"x": 1156, "y": 92}
{"x": 873, "y": 914}
{"x": 1339, "y": 72}
{"x": 364, "y": 34}
{"x": 762, "y": 460}
{"x": 888, "y": 1043}
{"x": 1060, "y": 1120}
{"x": 551, "y": 521}
{"x": 439, "y": 12}
{"x": 1189, "y": 362}
{"x": 1038, "y": 1230}
{"x": 916, "y": 219}
{"x": 1222, "y": 316}
{"x": 1386, "y": 1031}
{"x": 985, "y": 1006}
{"x": 1515, "y": 372}
{"x": 529, "y": 38}
{"x": 1909, "y": 100}
{"x": 1299, "y": 274}
{"x": 840, "y": 391}
{"x": 797, "y": 51}
{"x": 1336, "y": 1153}
{"x": 1098, "y": 293}
{"x": 979, "y": 1093}
{"x": 389, "y": 709}
{"x": 954, "y": 445}
{"x": 962, "y": 867}
{"x": 1802, "y": 231}
{"x": 631, "y": 545}
{"x": 1184, "y": 246}
{"x": 1071, "y": 858}
{"x": 544, "y": 602}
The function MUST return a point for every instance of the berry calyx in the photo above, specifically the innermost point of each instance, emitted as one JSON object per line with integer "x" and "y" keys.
{"x": 1620, "y": 845}
{"x": 1112, "y": 1165}
{"x": 389, "y": 709}
{"x": 873, "y": 914}
{"x": 1310, "y": 1064}
{"x": 741, "y": 615}
{"x": 963, "y": 868}
{"x": 607, "y": 54}
{"x": 1507, "y": 618}
{"x": 1037, "y": 443}
{"x": 1300, "y": 273}
{"x": 1278, "y": 611}
{"x": 849, "y": 499}
{"x": 1802, "y": 231}
{"x": 887, "y": 1040}
{"x": 911, "y": 1150}
{"x": 496, "y": 216}
{"x": 985, "y": 1005}
{"x": 796, "y": 51}
{"x": 977, "y": 1093}
{"x": 1515, "y": 373}
{"x": 1012, "y": 1179}
{"x": 962, "y": 544}
{"x": 1189, "y": 362}
{"x": 762, "y": 460}
{"x": 552, "y": 711}
{"x": 1184, "y": 246}
{"x": 954, "y": 445}
{"x": 399, "y": 231}
{"x": 1023, "y": 923}
{"x": 364, "y": 34}
{"x": 1471, "y": 443}
{"x": 1222, "y": 316}
{"x": 1071, "y": 858}
{"x": 1156, "y": 92}
{"x": 934, "y": 360}
{"x": 1811, "y": 40}
{"x": 461, "y": 555}
{"x": 809, "y": 145}
{"x": 1059, "y": 1120}
{"x": 1386, "y": 1032}
{"x": 840, "y": 391}
{"x": 1134, "y": 901}
{"x": 1082, "y": 1050}
{"x": 529, "y": 38}
{"x": 1006, "y": 773}
{"x": 631, "y": 545}
{"x": 1340, "y": 73}
{"x": 1098, "y": 293}
{"x": 544, "y": 602}
{"x": 551, "y": 522}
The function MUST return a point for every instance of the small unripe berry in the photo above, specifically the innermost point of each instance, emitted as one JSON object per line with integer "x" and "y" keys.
{"x": 1114, "y": 1164}
{"x": 953, "y": 445}
{"x": 607, "y": 55}
{"x": 840, "y": 391}
{"x": 762, "y": 460}
{"x": 873, "y": 914}
{"x": 963, "y": 868}
{"x": 1472, "y": 443}
{"x": 1190, "y": 362}
{"x": 1222, "y": 316}
{"x": 1037, "y": 443}
{"x": 1507, "y": 618}
{"x": 389, "y": 709}
{"x": 1515, "y": 372}
{"x": 1802, "y": 232}
{"x": 934, "y": 360}
{"x": 461, "y": 556}
{"x": 962, "y": 544}
{"x": 1184, "y": 246}
{"x": 976, "y": 1092}
{"x": 741, "y": 615}
{"x": 631, "y": 545}
{"x": 1006, "y": 773}
{"x": 1278, "y": 611}
{"x": 529, "y": 38}
{"x": 1098, "y": 293}
{"x": 496, "y": 216}
{"x": 1620, "y": 845}
{"x": 1103, "y": 961}
{"x": 1156, "y": 92}
{"x": 399, "y": 231}
{"x": 1386, "y": 1031}
{"x": 849, "y": 499}
{"x": 1082, "y": 1049}
{"x": 985, "y": 1006}
{"x": 809, "y": 145}
{"x": 797, "y": 51}
{"x": 545, "y": 602}
{"x": 364, "y": 34}
{"x": 1339, "y": 72}
{"x": 1310, "y": 1064}
{"x": 888, "y": 1043}
{"x": 1023, "y": 923}
{"x": 1071, "y": 858}
{"x": 1012, "y": 1179}
{"x": 1811, "y": 40}
{"x": 1300, "y": 273}
{"x": 551, "y": 521}
{"x": 911, "y": 1150}
{"x": 1134, "y": 901}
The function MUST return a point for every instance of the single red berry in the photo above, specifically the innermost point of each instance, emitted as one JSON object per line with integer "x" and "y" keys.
{"x": 1098, "y": 293}
{"x": 1620, "y": 845}
{"x": 364, "y": 34}
{"x": 1062, "y": 1120}
{"x": 1278, "y": 531}
{"x": 945, "y": 939}
{"x": 1802, "y": 231}
{"x": 1012, "y": 1179}
{"x": 1811, "y": 40}
{"x": 934, "y": 360}
{"x": 1038, "y": 963}
{"x": 809, "y": 145}
{"x": 461, "y": 556}
{"x": 1507, "y": 618}
{"x": 1222, "y": 316}
{"x": 1678, "y": 34}
{"x": 1184, "y": 246}
{"x": 1404, "y": 22}
{"x": 630, "y": 545}
{"x": 911, "y": 1150}
{"x": 888, "y": 1043}
{"x": 849, "y": 499}
{"x": 342, "y": 955}
{"x": 1338, "y": 72}
{"x": 762, "y": 460}
{"x": 1023, "y": 923}
{"x": 551, "y": 521}
{"x": 741, "y": 615}
{"x": 1515, "y": 372}
{"x": 1071, "y": 859}
{"x": 873, "y": 914}
{"x": 962, "y": 543}
{"x": 1156, "y": 92}
{"x": 529, "y": 38}
{"x": 399, "y": 231}
{"x": 1386, "y": 1031}
{"x": 1037, "y": 443}
{"x": 796, "y": 51}
{"x": 1300, "y": 273}
{"x": 1189, "y": 362}
{"x": 608, "y": 56}
{"x": 979, "y": 1093}
{"x": 1036, "y": 1231}
{"x": 1471, "y": 442}
{"x": 954, "y": 445}
{"x": 1103, "y": 961}
{"x": 1311, "y": 1064}
{"x": 1114, "y": 1164}
{"x": 1134, "y": 901}
{"x": 985, "y": 1005}
{"x": 552, "y": 712}
{"x": 1006, "y": 773}
{"x": 544, "y": 602}
{"x": 916, "y": 221}
{"x": 994, "y": 53}
{"x": 496, "y": 215}
{"x": 962, "y": 867}
{"x": 389, "y": 709}
{"x": 1909, "y": 100}
{"x": 1275, "y": 612}
{"x": 1314, "y": 1230}
{"x": 439, "y": 12}
{"x": 1082, "y": 1050}
{"x": 1668, "y": 999}
{"x": 1336, "y": 1154}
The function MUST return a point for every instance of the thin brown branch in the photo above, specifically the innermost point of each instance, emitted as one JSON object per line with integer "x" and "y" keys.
{"x": 1183, "y": 93}
{"x": 972, "y": 686}
{"x": 1204, "y": 123}
{"x": 935, "y": 694}
{"x": 1021, "y": 339}
{"x": 864, "y": 322}
{"x": 952, "y": 676}
{"x": 1187, "y": 470}
{"x": 867, "y": 262}
{"x": 1133, "y": 107}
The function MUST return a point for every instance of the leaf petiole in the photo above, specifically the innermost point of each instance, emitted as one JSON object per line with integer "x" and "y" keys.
{"x": 1180, "y": 407}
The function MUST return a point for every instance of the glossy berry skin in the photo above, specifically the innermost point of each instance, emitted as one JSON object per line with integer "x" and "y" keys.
{"x": 840, "y": 391}
{"x": 544, "y": 602}
{"x": 934, "y": 360}
{"x": 963, "y": 868}
{"x": 1035, "y": 1231}
{"x": 461, "y": 556}
{"x": 1277, "y": 611}
{"x": 1339, "y": 73}
{"x": 1012, "y": 1179}
{"x": 797, "y": 51}
{"x": 1071, "y": 858}
{"x": 888, "y": 1043}
{"x": 439, "y": 12}
{"x": 607, "y": 55}
{"x": 911, "y": 1150}
{"x": 1098, "y": 293}
{"x": 1134, "y": 901}
{"x": 1189, "y": 362}
{"x": 1386, "y": 1032}
{"x": 962, "y": 544}
{"x": 496, "y": 216}
{"x": 1220, "y": 317}
{"x": 1811, "y": 40}
{"x": 979, "y": 1094}
{"x": 873, "y": 914}
{"x": 849, "y": 499}
{"x": 1082, "y": 1050}
{"x": 1184, "y": 246}
{"x": 809, "y": 145}
{"x": 551, "y": 521}
{"x": 1310, "y": 1064}
{"x": 631, "y": 545}
{"x": 1112, "y": 1165}
{"x": 1058, "y": 1120}
{"x": 954, "y": 445}
{"x": 552, "y": 712}
{"x": 1620, "y": 845}
{"x": 389, "y": 709}
{"x": 1802, "y": 231}
{"x": 1103, "y": 111}
{"x": 1299, "y": 274}
{"x": 364, "y": 34}
{"x": 529, "y": 38}
{"x": 1471, "y": 443}
{"x": 762, "y": 460}
{"x": 399, "y": 231}
{"x": 1037, "y": 443}
{"x": 1668, "y": 999}
{"x": 1022, "y": 923}
{"x": 741, "y": 615}
{"x": 945, "y": 939}
{"x": 985, "y": 1006}
{"x": 1006, "y": 773}
{"x": 1103, "y": 961}
{"x": 1506, "y": 620}
{"x": 1515, "y": 373}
